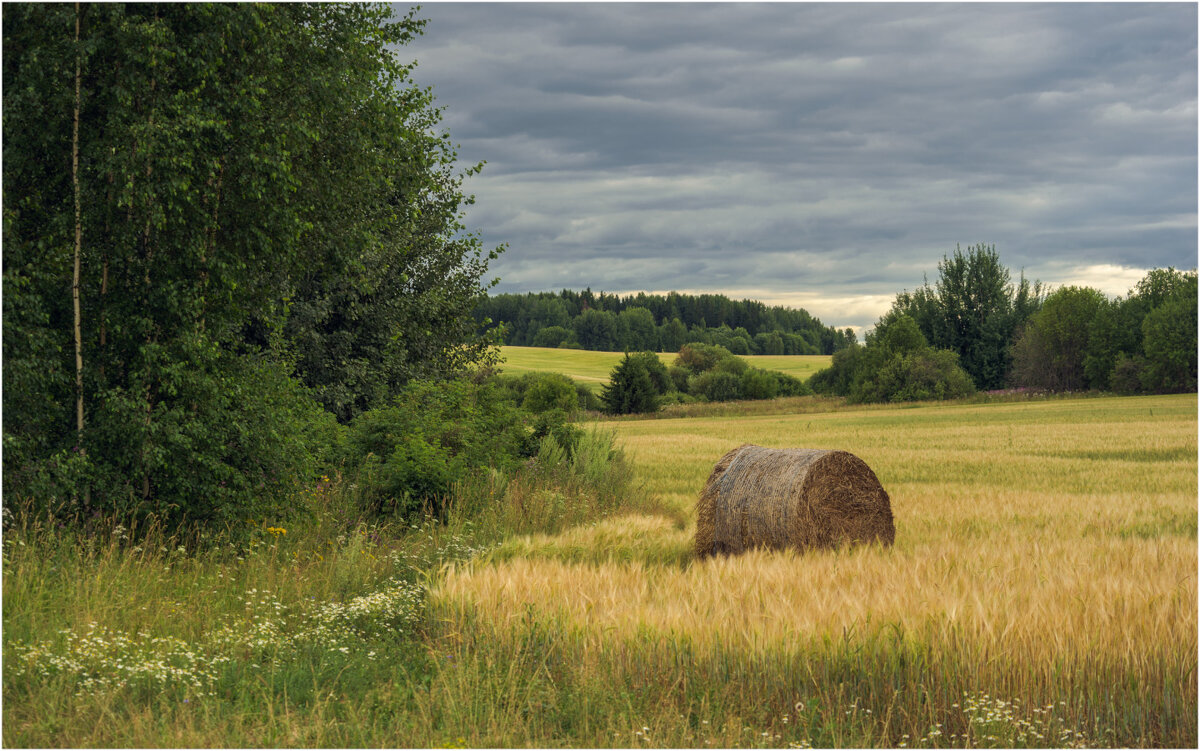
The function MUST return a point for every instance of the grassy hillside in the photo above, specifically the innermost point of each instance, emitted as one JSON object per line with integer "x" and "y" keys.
{"x": 593, "y": 368}
{"x": 1041, "y": 592}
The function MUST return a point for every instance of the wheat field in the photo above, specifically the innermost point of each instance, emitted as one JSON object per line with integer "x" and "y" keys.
{"x": 1041, "y": 590}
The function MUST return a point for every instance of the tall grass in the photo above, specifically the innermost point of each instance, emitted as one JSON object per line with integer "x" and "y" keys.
{"x": 1041, "y": 592}
{"x": 119, "y": 637}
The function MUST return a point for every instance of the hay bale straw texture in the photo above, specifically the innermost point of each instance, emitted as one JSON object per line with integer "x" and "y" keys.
{"x": 790, "y": 498}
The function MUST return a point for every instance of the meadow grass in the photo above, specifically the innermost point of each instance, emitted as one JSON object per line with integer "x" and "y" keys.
{"x": 593, "y": 368}
{"x": 1041, "y": 592}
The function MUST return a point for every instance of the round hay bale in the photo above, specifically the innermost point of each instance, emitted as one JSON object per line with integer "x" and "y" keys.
{"x": 758, "y": 497}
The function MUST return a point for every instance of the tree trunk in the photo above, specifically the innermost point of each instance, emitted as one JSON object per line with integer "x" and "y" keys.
{"x": 78, "y": 245}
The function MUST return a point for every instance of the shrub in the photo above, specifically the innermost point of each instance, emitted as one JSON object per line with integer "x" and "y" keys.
{"x": 839, "y": 377}
{"x": 587, "y": 398}
{"x": 553, "y": 423}
{"x": 698, "y": 358}
{"x": 735, "y": 365}
{"x": 896, "y": 365}
{"x": 791, "y": 385}
{"x": 918, "y": 376}
{"x": 716, "y": 386}
{"x": 1128, "y": 374}
{"x": 679, "y": 377}
{"x": 409, "y": 455}
{"x": 548, "y": 391}
{"x": 759, "y": 384}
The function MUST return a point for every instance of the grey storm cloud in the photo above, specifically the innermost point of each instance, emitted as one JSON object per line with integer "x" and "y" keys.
{"x": 819, "y": 155}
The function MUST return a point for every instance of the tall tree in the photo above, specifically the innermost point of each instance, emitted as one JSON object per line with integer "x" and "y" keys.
{"x": 974, "y": 309}
{"x": 260, "y": 186}
{"x": 1050, "y": 351}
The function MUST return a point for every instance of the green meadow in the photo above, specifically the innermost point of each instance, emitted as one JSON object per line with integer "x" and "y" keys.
{"x": 1041, "y": 592}
{"x": 593, "y": 368}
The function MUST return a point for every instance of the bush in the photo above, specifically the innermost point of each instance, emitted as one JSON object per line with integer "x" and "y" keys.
{"x": 839, "y": 377}
{"x": 716, "y": 386}
{"x": 759, "y": 384}
{"x": 409, "y": 455}
{"x": 896, "y": 365}
{"x": 679, "y": 377}
{"x": 919, "y": 376}
{"x": 698, "y": 358}
{"x": 548, "y": 391}
{"x": 587, "y": 398}
{"x": 553, "y": 423}
{"x": 1128, "y": 374}
{"x": 735, "y": 365}
{"x": 791, "y": 385}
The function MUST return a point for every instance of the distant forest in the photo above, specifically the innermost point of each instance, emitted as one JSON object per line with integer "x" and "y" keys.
{"x": 660, "y": 323}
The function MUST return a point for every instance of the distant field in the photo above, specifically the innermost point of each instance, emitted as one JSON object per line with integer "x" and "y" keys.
{"x": 593, "y": 368}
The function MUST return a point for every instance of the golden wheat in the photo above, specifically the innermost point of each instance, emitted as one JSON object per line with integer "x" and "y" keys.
{"x": 1035, "y": 534}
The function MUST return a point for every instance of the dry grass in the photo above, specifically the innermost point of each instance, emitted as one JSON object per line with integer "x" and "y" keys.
{"x": 1044, "y": 551}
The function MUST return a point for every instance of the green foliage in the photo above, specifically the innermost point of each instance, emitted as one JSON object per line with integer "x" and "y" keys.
{"x": 641, "y": 333}
{"x": 698, "y": 358}
{"x": 1169, "y": 340}
{"x": 656, "y": 322}
{"x": 790, "y": 385}
{"x": 587, "y": 398}
{"x": 1114, "y": 330}
{"x": 839, "y": 377}
{"x": 716, "y": 386}
{"x": 679, "y": 377}
{"x": 270, "y": 221}
{"x": 551, "y": 391}
{"x": 1128, "y": 374}
{"x": 630, "y": 389}
{"x": 896, "y": 365}
{"x": 1050, "y": 352}
{"x": 597, "y": 330}
{"x": 413, "y": 451}
{"x": 919, "y": 375}
{"x": 552, "y": 336}
{"x": 758, "y": 384}
{"x": 659, "y": 377}
{"x": 538, "y": 392}
{"x": 1145, "y": 342}
{"x": 974, "y": 310}
{"x": 553, "y": 423}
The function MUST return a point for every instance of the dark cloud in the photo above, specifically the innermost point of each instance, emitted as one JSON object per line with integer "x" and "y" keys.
{"x": 823, "y": 154}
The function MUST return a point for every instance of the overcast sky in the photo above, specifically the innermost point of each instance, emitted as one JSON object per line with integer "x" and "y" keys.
{"x": 822, "y": 156}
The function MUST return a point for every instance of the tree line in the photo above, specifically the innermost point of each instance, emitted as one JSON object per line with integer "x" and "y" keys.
{"x": 657, "y": 323}
{"x": 229, "y": 230}
{"x": 976, "y": 328}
